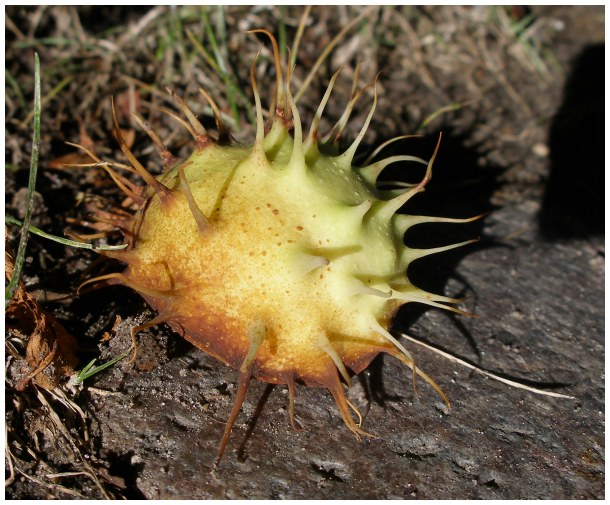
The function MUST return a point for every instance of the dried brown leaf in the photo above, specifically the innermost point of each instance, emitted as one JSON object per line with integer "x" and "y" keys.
{"x": 50, "y": 349}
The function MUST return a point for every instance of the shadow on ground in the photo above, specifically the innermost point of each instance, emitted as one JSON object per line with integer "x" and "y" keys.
{"x": 574, "y": 201}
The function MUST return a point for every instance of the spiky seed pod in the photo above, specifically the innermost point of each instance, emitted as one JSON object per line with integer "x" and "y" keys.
{"x": 283, "y": 261}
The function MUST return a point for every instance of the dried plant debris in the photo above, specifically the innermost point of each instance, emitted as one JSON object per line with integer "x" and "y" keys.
{"x": 47, "y": 439}
{"x": 50, "y": 351}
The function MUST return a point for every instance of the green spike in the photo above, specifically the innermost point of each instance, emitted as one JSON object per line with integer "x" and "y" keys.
{"x": 371, "y": 172}
{"x": 409, "y": 255}
{"x": 402, "y": 222}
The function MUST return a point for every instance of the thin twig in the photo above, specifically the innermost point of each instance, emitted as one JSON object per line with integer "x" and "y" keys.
{"x": 61, "y": 396}
{"x": 134, "y": 30}
{"x": 103, "y": 392}
{"x": 491, "y": 375}
{"x": 54, "y": 487}
{"x": 67, "y": 436}
{"x": 9, "y": 459}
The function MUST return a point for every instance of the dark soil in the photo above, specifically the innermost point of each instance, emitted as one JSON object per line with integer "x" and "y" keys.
{"x": 519, "y": 96}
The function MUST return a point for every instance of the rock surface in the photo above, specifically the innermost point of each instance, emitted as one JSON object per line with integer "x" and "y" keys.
{"x": 542, "y": 320}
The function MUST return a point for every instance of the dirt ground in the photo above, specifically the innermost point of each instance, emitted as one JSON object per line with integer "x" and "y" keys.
{"x": 519, "y": 96}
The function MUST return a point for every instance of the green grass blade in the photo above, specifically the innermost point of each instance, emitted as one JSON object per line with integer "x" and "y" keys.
{"x": 199, "y": 47}
{"x": 52, "y": 41}
{"x": 176, "y": 26}
{"x": 29, "y": 204}
{"x": 213, "y": 42}
{"x": 72, "y": 243}
{"x": 12, "y": 82}
{"x": 221, "y": 30}
{"x": 86, "y": 369}
{"x": 230, "y": 87}
{"x": 281, "y": 29}
{"x": 218, "y": 64}
{"x": 447, "y": 108}
{"x": 90, "y": 370}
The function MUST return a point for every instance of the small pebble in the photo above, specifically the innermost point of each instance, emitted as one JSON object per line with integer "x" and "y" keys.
{"x": 541, "y": 150}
